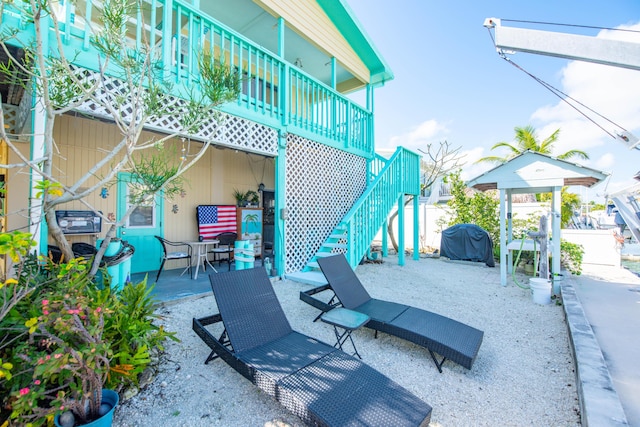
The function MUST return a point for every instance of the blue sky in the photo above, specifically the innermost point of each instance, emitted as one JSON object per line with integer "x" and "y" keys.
{"x": 450, "y": 84}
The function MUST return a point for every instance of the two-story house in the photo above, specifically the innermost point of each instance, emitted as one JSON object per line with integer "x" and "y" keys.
{"x": 294, "y": 134}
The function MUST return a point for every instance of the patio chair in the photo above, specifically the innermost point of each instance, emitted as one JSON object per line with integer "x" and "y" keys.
{"x": 319, "y": 383}
{"x": 170, "y": 252}
{"x": 449, "y": 338}
{"x": 225, "y": 245}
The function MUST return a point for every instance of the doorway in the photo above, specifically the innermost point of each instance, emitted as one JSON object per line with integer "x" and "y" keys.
{"x": 143, "y": 223}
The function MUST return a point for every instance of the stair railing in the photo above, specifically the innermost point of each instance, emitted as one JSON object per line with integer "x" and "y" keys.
{"x": 400, "y": 176}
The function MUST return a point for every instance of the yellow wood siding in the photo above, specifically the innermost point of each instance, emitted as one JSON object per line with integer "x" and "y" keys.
{"x": 17, "y": 184}
{"x": 82, "y": 142}
{"x": 308, "y": 19}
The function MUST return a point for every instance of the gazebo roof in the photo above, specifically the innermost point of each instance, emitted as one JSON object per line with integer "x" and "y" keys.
{"x": 532, "y": 172}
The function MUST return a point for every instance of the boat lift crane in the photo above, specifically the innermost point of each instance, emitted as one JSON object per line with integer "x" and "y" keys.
{"x": 616, "y": 53}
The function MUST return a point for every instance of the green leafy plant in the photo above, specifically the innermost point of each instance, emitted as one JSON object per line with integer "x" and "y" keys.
{"x": 571, "y": 256}
{"x": 60, "y": 346}
{"x": 133, "y": 335}
{"x": 64, "y": 361}
{"x": 245, "y": 198}
{"x": 240, "y": 197}
{"x": 480, "y": 208}
{"x": 252, "y": 197}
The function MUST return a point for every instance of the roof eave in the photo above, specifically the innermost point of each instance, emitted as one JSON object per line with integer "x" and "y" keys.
{"x": 345, "y": 20}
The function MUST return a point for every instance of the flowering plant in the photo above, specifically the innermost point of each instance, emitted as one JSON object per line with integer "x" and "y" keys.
{"x": 63, "y": 338}
{"x": 65, "y": 349}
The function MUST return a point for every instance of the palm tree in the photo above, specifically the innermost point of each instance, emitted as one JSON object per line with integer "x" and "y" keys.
{"x": 527, "y": 139}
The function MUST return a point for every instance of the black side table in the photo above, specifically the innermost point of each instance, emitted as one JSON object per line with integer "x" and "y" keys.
{"x": 349, "y": 321}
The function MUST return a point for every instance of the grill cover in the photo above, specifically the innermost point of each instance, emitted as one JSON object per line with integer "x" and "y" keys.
{"x": 467, "y": 242}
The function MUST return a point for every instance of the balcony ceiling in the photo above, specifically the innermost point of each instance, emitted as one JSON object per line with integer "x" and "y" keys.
{"x": 258, "y": 25}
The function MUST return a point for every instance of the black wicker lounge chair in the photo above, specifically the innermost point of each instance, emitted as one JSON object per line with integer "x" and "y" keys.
{"x": 322, "y": 385}
{"x": 449, "y": 338}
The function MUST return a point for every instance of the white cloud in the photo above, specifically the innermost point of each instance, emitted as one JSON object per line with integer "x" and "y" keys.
{"x": 605, "y": 162}
{"x": 613, "y": 93}
{"x": 429, "y": 131}
{"x": 471, "y": 168}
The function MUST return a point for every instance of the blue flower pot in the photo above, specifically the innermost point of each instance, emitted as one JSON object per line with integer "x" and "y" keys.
{"x": 109, "y": 397}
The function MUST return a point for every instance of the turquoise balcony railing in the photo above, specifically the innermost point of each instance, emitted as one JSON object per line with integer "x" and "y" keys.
{"x": 274, "y": 92}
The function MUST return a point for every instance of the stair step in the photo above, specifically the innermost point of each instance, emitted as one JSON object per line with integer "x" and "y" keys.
{"x": 325, "y": 254}
{"x": 338, "y": 236}
{"x": 334, "y": 245}
{"x": 313, "y": 264}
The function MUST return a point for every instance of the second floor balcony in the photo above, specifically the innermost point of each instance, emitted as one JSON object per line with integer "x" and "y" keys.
{"x": 287, "y": 82}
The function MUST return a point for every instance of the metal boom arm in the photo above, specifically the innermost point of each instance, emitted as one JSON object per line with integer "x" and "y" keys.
{"x": 616, "y": 53}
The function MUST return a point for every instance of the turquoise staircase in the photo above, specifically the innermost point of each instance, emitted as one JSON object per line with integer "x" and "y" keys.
{"x": 392, "y": 179}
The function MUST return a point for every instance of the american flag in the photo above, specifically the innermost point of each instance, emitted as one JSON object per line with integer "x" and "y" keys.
{"x": 213, "y": 220}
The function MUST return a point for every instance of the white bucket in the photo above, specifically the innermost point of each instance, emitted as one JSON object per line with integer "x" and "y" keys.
{"x": 540, "y": 290}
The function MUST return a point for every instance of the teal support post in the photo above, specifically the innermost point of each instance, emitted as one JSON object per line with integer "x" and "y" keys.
{"x": 285, "y": 100}
{"x": 334, "y": 68}
{"x": 503, "y": 241}
{"x": 281, "y": 28}
{"x": 401, "y": 230}
{"x": 416, "y": 228}
{"x": 385, "y": 238}
{"x": 370, "y": 128}
{"x": 86, "y": 42}
{"x": 167, "y": 34}
{"x": 280, "y": 208}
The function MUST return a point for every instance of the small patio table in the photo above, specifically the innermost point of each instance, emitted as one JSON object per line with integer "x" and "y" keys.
{"x": 201, "y": 256}
{"x": 349, "y": 321}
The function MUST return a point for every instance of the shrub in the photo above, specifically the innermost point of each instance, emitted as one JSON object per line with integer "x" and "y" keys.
{"x": 571, "y": 256}
{"x": 481, "y": 209}
{"x": 65, "y": 339}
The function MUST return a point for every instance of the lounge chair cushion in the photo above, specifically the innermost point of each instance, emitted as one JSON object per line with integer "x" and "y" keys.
{"x": 286, "y": 355}
{"x": 449, "y": 338}
{"x": 382, "y": 311}
{"x": 355, "y": 399}
{"x": 455, "y": 340}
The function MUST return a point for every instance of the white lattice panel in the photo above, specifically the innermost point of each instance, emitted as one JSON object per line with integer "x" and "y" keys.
{"x": 322, "y": 183}
{"x": 10, "y": 117}
{"x": 228, "y": 130}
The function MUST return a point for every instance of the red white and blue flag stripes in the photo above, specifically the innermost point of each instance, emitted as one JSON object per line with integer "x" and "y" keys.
{"x": 216, "y": 219}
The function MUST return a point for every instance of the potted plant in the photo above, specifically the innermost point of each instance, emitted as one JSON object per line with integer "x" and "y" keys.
{"x": 252, "y": 198}
{"x": 240, "y": 196}
{"x": 66, "y": 349}
{"x": 66, "y": 341}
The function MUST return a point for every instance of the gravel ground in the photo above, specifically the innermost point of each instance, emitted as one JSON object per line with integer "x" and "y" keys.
{"x": 523, "y": 375}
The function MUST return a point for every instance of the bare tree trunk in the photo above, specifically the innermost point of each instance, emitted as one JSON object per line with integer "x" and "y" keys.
{"x": 392, "y": 218}
{"x": 55, "y": 232}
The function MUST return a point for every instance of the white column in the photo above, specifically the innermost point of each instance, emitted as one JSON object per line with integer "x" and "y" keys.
{"x": 37, "y": 224}
{"x": 556, "y": 220}
{"x": 509, "y": 220}
{"x": 503, "y": 241}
